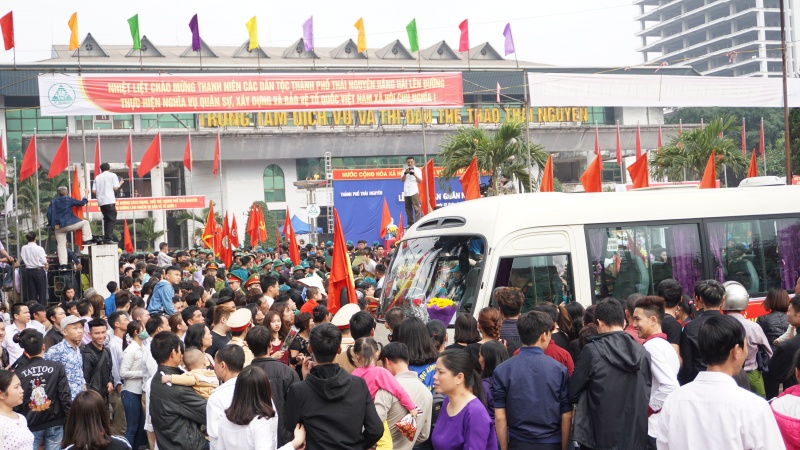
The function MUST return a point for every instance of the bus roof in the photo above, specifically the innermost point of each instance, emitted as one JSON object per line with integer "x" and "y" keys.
{"x": 505, "y": 214}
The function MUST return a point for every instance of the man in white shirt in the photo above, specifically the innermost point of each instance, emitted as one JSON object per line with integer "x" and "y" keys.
{"x": 105, "y": 184}
{"x": 155, "y": 324}
{"x": 34, "y": 258}
{"x": 118, "y": 321}
{"x": 20, "y": 320}
{"x": 228, "y": 363}
{"x": 164, "y": 260}
{"x": 38, "y": 318}
{"x": 712, "y": 411}
{"x": 411, "y": 177}
{"x": 664, "y": 363}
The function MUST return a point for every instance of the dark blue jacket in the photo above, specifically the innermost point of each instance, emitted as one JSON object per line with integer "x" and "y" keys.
{"x": 60, "y": 214}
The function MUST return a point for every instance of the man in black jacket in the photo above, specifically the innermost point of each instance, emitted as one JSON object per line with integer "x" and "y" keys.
{"x": 177, "y": 411}
{"x": 334, "y": 406}
{"x": 708, "y": 294}
{"x": 97, "y": 364}
{"x": 280, "y": 375}
{"x": 47, "y": 394}
{"x": 611, "y": 385}
{"x": 781, "y": 365}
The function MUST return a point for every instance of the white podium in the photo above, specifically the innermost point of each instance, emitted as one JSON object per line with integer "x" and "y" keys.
{"x": 103, "y": 267}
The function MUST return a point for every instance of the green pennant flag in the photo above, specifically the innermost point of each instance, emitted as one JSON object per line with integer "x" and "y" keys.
{"x": 133, "y": 22}
{"x": 413, "y": 39}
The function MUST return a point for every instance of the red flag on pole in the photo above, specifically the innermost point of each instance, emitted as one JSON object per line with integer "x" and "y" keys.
{"x": 151, "y": 158}
{"x": 30, "y": 163}
{"x": 386, "y": 218}
{"x": 638, "y": 142}
{"x": 709, "y": 180}
{"x": 252, "y": 226}
{"x": 422, "y": 187}
{"x": 341, "y": 276}
{"x": 744, "y": 140}
{"x": 429, "y": 177}
{"x": 211, "y": 228}
{"x": 640, "y": 172}
{"x": 262, "y": 226}
{"x": 596, "y": 140}
{"x": 291, "y": 239}
{"x": 619, "y": 148}
{"x": 61, "y": 159}
{"x": 547, "y": 178}
{"x": 463, "y": 41}
{"x": 225, "y": 251}
{"x": 752, "y": 171}
{"x": 277, "y": 238}
{"x": 97, "y": 156}
{"x": 126, "y": 237}
{"x": 761, "y": 140}
{"x": 234, "y": 232}
{"x": 470, "y": 181}
{"x": 77, "y": 235}
{"x": 400, "y": 227}
{"x": 187, "y": 154}
{"x": 659, "y": 138}
{"x": 216, "y": 157}
{"x": 592, "y": 178}
{"x": 129, "y": 160}
{"x": 7, "y": 24}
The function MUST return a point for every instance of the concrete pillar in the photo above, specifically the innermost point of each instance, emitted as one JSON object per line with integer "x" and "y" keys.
{"x": 157, "y": 186}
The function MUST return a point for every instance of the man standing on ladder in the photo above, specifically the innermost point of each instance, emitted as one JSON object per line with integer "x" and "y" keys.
{"x": 105, "y": 184}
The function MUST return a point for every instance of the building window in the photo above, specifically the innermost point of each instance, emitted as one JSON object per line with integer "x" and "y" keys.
{"x": 26, "y": 121}
{"x": 611, "y": 172}
{"x": 274, "y": 186}
{"x": 176, "y": 121}
{"x": 314, "y": 168}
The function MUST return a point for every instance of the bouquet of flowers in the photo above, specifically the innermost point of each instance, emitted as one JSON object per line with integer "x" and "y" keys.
{"x": 441, "y": 308}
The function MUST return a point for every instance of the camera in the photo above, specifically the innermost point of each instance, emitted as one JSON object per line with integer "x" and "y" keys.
{"x": 410, "y": 171}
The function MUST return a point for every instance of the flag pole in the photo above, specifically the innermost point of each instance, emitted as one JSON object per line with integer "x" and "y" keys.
{"x": 38, "y": 219}
{"x": 219, "y": 173}
{"x": 163, "y": 183}
{"x": 621, "y": 160}
{"x": 764, "y": 156}
{"x": 527, "y": 126}
{"x": 133, "y": 184}
{"x": 16, "y": 206}
{"x": 86, "y": 178}
{"x": 191, "y": 186}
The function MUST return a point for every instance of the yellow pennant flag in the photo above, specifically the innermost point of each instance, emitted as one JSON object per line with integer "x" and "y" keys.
{"x": 252, "y": 30}
{"x": 362, "y": 37}
{"x": 73, "y": 37}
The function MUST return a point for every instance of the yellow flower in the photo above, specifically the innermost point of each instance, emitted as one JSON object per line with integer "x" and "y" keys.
{"x": 440, "y": 302}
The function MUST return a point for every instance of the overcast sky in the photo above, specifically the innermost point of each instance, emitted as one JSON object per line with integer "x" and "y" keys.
{"x": 569, "y": 33}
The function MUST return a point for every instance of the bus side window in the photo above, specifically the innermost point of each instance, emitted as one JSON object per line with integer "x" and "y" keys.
{"x": 542, "y": 278}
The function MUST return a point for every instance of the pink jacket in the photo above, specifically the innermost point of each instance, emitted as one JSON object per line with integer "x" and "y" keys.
{"x": 787, "y": 413}
{"x": 380, "y": 378}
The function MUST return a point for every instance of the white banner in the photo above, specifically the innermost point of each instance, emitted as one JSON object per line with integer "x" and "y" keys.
{"x": 568, "y": 89}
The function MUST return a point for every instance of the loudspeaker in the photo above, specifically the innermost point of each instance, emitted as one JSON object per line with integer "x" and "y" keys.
{"x": 57, "y": 281}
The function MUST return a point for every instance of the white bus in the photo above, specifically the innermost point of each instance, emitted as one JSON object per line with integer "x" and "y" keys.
{"x": 584, "y": 247}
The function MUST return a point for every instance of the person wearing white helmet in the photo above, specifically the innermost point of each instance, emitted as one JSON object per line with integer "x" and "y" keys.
{"x": 758, "y": 349}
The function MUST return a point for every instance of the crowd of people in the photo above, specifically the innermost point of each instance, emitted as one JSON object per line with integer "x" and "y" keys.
{"x": 184, "y": 354}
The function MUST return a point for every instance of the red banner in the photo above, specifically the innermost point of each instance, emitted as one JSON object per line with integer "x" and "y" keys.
{"x": 382, "y": 174}
{"x": 154, "y": 203}
{"x": 62, "y": 94}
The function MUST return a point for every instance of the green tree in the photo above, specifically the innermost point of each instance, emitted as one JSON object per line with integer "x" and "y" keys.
{"x": 187, "y": 216}
{"x": 501, "y": 152}
{"x": 685, "y": 156}
{"x": 146, "y": 233}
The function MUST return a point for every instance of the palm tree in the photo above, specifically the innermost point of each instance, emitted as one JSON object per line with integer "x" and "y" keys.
{"x": 146, "y": 232}
{"x": 503, "y": 152}
{"x": 685, "y": 156}
{"x": 185, "y": 216}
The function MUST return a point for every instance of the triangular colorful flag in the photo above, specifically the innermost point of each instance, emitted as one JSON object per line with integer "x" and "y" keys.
{"x": 386, "y": 218}
{"x": 429, "y": 178}
{"x": 195, "y": 27}
{"x": 291, "y": 239}
{"x": 151, "y": 158}
{"x": 761, "y": 140}
{"x": 60, "y": 160}
{"x": 133, "y": 24}
{"x": 234, "y": 232}
{"x": 7, "y": 26}
{"x": 97, "y": 156}
{"x": 129, "y": 160}
{"x": 744, "y": 140}
{"x": 463, "y": 41}
{"x": 547, "y": 184}
{"x": 362, "y": 36}
{"x": 592, "y": 178}
{"x": 341, "y": 275}
{"x": 640, "y": 172}
{"x": 308, "y": 34}
{"x": 77, "y": 235}
{"x": 252, "y": 33}
{"x": 752, "y": 171}
{"x": 73, "y": 35}
{"x": 709, "y": 180}
{"x": 187, "y": 153}
{"x": 470, "y": 181}
{"x": 215, "y": 169}
{"x": 413, "y": 37}
{"x": 638, "y": 142}
{"x": 126, "y": 237}
{"x": 619, "y": 148}
{"x": 30, "y": 162}
{"x": 509, "y": 44}
{"x": 210, "y": 228}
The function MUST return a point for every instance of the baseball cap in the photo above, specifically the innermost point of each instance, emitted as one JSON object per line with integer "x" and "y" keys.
{"x": 69, "y": 320}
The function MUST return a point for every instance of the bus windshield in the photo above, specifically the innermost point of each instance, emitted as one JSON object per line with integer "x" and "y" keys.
{"x": 435, "y": 277}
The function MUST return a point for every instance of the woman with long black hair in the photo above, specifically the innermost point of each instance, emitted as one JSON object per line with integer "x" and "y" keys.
{"x": 88, "y": 426}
